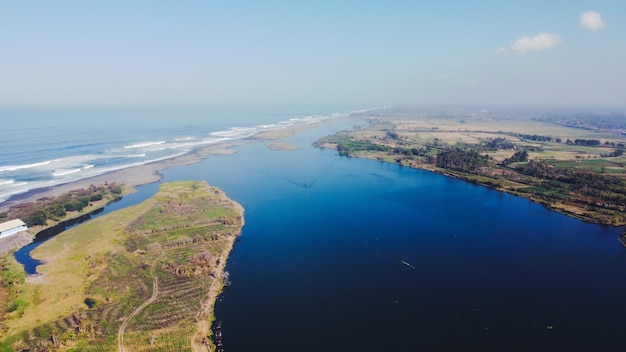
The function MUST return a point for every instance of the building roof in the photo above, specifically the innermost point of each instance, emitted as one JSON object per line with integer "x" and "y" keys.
{"x": 11, "y": 224}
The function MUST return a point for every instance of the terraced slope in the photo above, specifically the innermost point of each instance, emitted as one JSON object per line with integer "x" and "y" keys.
{"x": 151, "y": 274}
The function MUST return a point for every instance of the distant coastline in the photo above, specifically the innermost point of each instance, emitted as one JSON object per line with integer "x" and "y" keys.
{"x": 134, "y": 176}
{"x": 47, "y": 159}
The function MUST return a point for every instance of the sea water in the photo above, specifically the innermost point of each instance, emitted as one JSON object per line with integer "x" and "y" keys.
{"x": 43, "y": 147}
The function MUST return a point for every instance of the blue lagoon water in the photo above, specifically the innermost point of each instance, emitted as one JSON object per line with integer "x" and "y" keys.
{"x": 344, "y": 254}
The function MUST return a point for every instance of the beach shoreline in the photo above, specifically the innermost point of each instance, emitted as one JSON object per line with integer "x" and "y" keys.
{"x": 148, "y": 173}
{"x": 132, "y": 176}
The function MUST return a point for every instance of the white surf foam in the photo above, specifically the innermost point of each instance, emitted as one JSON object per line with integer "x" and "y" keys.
{"x": 58, "y": 173}
{"x": 236, "y": 132}
{"x": 24, "y": 166}
{"x": 143, "y": 144}
{"x": 72, "y": 168}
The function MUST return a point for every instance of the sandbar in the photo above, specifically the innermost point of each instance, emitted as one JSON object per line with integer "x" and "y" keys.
{"x": 282, "y": 146}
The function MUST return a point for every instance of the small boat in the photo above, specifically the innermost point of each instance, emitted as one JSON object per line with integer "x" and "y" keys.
{"x": 407, "y": 264}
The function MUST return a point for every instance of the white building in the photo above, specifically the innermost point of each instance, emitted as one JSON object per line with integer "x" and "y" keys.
{"x": 12, "y": 227}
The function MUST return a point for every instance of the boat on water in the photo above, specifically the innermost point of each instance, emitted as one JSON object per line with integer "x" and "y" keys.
{"x": 407, "y": 264}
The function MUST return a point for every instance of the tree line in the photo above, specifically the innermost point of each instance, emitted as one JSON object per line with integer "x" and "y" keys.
{"x": 56, "y": 208}
{"x": 461, "y": 160}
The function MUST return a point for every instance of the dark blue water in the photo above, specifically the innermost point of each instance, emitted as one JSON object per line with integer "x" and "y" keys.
{"x": 342, "y": 254}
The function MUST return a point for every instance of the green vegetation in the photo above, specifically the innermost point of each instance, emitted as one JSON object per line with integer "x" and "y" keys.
{"x": 580, "y": 172}
{"x": 461, "y": 160}
{"x": 11, "y": 280}
{"x": 68, "y": 205}
{"x": 142, "y": 278}
{"x": 521, "y": 156}
{"x": 347, "y": 146}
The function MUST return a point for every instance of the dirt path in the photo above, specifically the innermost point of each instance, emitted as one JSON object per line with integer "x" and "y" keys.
{"x": 202, "y": 317}
{"x": 208, "y": 301}
{"x": 155, "y": 293}
{"x": 198, "y": 340}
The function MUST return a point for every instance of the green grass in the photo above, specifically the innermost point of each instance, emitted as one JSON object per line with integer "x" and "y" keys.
{"x": 6, "y": 347}
{"x": 594, "y": 165}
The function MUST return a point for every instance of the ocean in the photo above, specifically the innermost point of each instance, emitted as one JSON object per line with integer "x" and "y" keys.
{"x": 43, "y": 147}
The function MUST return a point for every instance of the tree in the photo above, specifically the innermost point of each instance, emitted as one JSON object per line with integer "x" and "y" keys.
{"x": 96, "y": 197}
{"x": 458, "y": 159}
{"x": 37, "y": 218}
{"x": 56, "y": 211}
{"x": 520, "y": 156}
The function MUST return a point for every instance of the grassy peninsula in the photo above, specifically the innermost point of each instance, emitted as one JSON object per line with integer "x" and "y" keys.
{"x": 142, "y": 278}
{"x": 574, "y": 164}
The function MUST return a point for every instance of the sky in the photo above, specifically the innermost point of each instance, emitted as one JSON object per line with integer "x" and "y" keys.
{"x": 369, "y": 53}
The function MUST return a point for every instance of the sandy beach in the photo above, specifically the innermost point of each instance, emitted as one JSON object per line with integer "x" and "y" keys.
{"x": 132, "y": 176}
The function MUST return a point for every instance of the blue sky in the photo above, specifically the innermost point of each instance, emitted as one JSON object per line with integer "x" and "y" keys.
{"x": 370, "y": 53}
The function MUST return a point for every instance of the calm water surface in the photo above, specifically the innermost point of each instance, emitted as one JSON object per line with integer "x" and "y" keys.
{"x": 342, "y": 254}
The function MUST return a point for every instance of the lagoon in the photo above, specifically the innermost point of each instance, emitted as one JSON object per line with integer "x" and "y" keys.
{"x": 343, "y": 254}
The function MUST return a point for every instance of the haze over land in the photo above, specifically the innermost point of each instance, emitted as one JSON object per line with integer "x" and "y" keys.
{"x": 535, "y": 53}
{"x": 526, "y": 98}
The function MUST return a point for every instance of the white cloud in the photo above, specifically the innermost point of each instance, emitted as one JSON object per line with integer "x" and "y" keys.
{"x": 541, "y": 41}
{"x": 502, "y": 51}
{"x": 591, "y": 20}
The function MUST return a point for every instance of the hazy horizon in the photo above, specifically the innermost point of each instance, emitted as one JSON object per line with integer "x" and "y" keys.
{"x": 368, "y": 54}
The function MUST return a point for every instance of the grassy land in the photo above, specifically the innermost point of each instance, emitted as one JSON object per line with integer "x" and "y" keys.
{"x": 169, "y": 250}
{"x": 560, "y": 170}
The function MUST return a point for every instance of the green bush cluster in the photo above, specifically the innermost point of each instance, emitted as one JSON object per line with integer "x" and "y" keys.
{"x": 56, "y": 209}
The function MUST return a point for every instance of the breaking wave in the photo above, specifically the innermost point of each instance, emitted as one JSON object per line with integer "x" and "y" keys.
{"x": 143, "y": 144}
